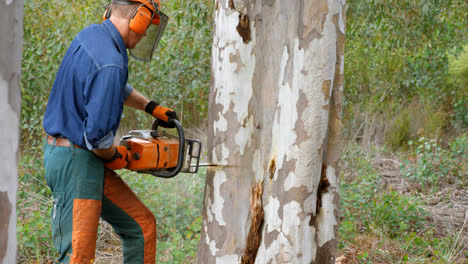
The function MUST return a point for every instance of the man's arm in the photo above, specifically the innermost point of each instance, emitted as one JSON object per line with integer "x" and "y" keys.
{"x": 140, "y": 102}
{"x": 105, "y": 154}
{"x": 136, "y": 100}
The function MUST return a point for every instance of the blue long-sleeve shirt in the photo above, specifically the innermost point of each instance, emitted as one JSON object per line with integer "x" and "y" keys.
{"x": 86, "y": 101}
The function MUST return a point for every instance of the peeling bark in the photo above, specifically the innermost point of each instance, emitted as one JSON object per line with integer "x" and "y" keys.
{"x": 254, "y": 237}
{"x": 272, "y": 168}
{"x": 275, "y": 118}
{"x": 243, "y": 28}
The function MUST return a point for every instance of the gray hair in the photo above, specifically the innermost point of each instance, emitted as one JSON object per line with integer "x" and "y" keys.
{"x": 123, "y": 8}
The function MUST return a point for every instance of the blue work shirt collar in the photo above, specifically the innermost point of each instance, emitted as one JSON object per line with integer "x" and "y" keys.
{"x": 117, "y": 38}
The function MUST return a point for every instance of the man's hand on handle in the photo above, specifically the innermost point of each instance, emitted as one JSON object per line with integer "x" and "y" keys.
{"x": 119, "y": 160}
{"x": 163, "y": 114}
{"x": 114, "y": 157}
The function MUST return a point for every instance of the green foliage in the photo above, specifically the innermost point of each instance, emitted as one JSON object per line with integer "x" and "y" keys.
{"x": 436, "y": 122}
{"x": 397, "y": 52}
{"x": 387, "y": 226}
{"x": 435, "y": 165}
{"x": 49, "y": 27}
{"x": 400, "y": 47}
{"x": 459, "y": 73}
{"x": 178, "y": 76}
{"x": 177, "y": 204}
{"x": 399, "y": 132}
{"x": 33, "y": 208}
{"x": 365, "y": 206}
{"x": 459, "y": 67}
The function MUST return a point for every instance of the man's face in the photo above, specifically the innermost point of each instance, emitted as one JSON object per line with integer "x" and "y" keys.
{"x": 133, "y": 39}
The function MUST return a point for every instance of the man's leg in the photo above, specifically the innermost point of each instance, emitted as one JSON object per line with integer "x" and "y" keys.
{"x": 76, "y": 178}
{"x": 131, "y": 220}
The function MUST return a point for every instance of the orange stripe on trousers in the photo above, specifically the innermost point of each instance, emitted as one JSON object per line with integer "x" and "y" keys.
{"x": 86, "y": 215}
{"x": 118, "y": 192}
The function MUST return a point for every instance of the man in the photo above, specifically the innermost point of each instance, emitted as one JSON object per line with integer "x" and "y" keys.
{"x": 81, "y": 119}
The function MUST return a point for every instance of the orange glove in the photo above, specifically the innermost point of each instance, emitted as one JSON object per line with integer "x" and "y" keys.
{"x": 119, "y": 160}
{"x": 161, "y": 113}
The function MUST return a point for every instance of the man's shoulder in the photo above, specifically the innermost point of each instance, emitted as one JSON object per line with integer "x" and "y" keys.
{"x": 100, "y": 45}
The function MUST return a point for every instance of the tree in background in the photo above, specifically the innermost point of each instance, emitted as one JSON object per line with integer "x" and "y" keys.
{"x": 11, "y": 44}
{"x": 397, "y": 70}
{"x": 275, "y": 119}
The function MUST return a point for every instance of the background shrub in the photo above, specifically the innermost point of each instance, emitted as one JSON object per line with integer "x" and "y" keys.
{"x": 397, "y": 54}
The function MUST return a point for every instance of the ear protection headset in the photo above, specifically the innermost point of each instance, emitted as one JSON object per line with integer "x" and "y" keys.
{"x": 141, "y": 18}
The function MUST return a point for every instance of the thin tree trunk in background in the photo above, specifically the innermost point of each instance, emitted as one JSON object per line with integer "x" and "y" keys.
{"x": 11, "y": 44}
{"x": 275, "y": 120}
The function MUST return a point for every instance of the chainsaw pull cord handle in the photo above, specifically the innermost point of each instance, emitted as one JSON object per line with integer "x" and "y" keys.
{"x": 180, "y": 160}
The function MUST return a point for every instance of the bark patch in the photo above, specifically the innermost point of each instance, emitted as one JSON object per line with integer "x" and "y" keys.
{"x": 299, "y": 127}
{"x": 323, "y": 186}
{"x": 326, "y": 85}
{"x": 5, "y": 211}
{"x": 235, "y": 58}
{"x": 231, "y": 4}
{"x": 272, "y": 168}
{"x": 255, "y": 233}
{"x": 325, "y": 254}
{"x": 243, "y": 28}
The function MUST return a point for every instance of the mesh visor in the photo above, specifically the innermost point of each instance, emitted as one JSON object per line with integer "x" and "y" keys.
{"x": 145, "y": 48}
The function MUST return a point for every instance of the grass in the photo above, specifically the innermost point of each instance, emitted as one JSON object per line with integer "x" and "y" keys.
{"x": 393, "y": 213}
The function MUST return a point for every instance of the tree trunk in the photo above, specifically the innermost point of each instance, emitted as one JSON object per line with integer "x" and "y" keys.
{"x": 275, "y": 121}
{"x": 11, "y": 45}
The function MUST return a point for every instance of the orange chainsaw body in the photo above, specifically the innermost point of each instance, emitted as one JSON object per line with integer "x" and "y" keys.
{"x": 159, "y": 153}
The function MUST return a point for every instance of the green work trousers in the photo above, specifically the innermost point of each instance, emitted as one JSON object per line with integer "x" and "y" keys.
{"x": 84, "y": 190}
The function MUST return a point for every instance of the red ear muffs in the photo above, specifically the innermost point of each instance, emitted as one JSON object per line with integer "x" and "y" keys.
{"x": 140, "y": 20}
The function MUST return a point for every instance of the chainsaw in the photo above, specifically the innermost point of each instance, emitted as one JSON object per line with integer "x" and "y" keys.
{"x": 160, "y": 154}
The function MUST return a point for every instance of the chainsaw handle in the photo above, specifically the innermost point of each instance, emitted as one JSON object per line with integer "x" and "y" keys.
{"x": 180, "y": 160}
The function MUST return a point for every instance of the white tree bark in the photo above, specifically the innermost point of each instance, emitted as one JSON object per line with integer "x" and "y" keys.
{"x": 275, "y": 120}
{"x": 11, "y": 44}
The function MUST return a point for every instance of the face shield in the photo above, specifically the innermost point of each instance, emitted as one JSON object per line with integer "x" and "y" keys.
{"x": 145, "y": 48}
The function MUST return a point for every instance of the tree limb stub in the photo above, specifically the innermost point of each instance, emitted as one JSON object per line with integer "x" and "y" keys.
{"x": 255, "y": 233}
{"x": 243, "y": 27}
